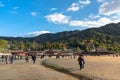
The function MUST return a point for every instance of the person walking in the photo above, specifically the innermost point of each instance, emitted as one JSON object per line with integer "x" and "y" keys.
{"x": 6, "y": 59}
{"x": 26, "y": 58}
{"x": 11, "y": 59}
{"x": 2, "y": 57}
{"x": 81, "y": 61}
{"x": 33, "y": 58}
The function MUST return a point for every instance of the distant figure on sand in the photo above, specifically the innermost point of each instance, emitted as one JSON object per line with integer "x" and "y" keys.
{"x": 42, "y": 56}
{"x": 6, "y": 59}
{"x": 81, "y": 61}
{"x": 33, "y": 58}
{"x": 2, "y": 57}
{"x": 26, "y": 58}
{"x": 11, "y": 59}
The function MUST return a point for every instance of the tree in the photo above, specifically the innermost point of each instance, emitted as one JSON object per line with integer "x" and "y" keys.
{"x": 3, "y": 45}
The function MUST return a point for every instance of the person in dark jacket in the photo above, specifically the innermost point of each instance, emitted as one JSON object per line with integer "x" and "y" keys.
{"x": 34, "y": 58}
{"x": 81, "y": 61}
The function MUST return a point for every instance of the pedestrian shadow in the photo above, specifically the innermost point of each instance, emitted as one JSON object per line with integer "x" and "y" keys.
{"x": 72, "y": 69}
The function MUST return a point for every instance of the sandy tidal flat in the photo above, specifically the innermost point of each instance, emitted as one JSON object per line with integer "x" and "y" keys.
{"x": 20, "y": 70}
{"x": 96, "y": 67}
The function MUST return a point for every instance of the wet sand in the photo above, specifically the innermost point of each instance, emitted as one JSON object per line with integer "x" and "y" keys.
{"x": 20, "y": 70}
{"x": 98, "y": 68}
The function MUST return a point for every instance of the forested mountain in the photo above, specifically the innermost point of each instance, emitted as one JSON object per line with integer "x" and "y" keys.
{"x": 107, "y": 36}
{"x": 108, "y": 31}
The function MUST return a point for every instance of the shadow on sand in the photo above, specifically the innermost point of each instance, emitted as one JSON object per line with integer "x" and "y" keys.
{"x": 63, "y": 70}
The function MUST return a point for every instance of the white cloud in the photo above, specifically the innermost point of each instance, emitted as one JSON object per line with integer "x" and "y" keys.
{"x": 78, "y": 5}
{"x": 109, "y": 8}
{"x": 84, "y": 23}
{"x": 92, "y": 16}
{"x": 58, "y": 18}
{"x": 115, "y": 17}
{"x": 100, "y": 0}
{"x": 34, "y": 13}
{"x": 36, "y": 33}
{"x": 16, "y": 7}
{"x": 14, "y": 10}
{"x": 1, "y": 4}
{"x": 109, "y": 12}
{"x": 84, "y": 2}
{"x": 53, "y": 9}
{"x": 74, "y": 7}
{"x": 92, "y": 23}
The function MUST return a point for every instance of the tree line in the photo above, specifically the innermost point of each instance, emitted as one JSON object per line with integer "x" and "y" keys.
{"x": 107, "y": 37}
{"x": 76, "y": 45}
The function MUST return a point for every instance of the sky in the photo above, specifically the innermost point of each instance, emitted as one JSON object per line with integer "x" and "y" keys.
{"x": 29, "y": 18}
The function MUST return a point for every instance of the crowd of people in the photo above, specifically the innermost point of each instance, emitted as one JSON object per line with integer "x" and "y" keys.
{"x": 9, "y": 59}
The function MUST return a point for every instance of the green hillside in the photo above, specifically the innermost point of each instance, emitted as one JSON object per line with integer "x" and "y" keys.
{"x": 107, "y": 36}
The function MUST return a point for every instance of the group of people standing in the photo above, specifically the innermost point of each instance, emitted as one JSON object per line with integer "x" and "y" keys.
{"x": 7, "y": 58}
